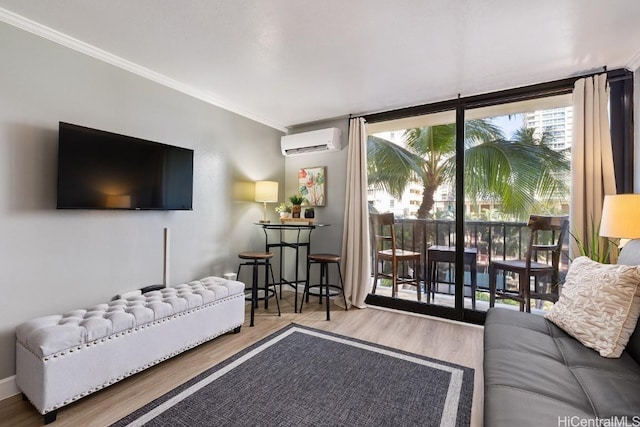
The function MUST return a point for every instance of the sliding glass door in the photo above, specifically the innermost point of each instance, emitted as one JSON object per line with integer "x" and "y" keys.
{"x": 462, "y": 177}
{"x": 412, "y": 173}
{"x": 517, "y": 163}
{"x": 502, "y": 161}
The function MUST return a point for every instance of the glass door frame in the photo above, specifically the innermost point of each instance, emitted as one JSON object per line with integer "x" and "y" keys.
{"x": 621, "y": 101}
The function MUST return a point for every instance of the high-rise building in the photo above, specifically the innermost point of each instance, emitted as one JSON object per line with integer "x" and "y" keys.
{"x": 557, "y": 121}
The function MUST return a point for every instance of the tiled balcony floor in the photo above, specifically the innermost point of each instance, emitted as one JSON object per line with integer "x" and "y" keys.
{"x": 443, "y": 298}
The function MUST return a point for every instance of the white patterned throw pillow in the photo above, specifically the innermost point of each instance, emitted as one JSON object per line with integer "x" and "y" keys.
{"x": 599, "y": 305}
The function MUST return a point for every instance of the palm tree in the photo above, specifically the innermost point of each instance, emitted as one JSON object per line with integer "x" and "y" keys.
{"x": 523, "y": 173}
{"x": 518, "y": 173}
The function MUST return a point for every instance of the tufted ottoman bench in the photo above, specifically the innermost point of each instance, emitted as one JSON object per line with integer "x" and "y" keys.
{"x": 62, "y": 358}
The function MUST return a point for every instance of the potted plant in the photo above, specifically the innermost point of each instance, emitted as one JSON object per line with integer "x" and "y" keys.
{"x": 283, "y": 210}
{"x": 296, "y": 200}
{"x": 594, "y": 246}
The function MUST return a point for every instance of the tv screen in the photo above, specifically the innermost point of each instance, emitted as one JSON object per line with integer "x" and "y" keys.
{"x": 104, "y": 170}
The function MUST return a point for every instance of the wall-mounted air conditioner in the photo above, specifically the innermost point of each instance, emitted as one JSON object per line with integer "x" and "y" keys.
{"x": 322, "y": 140}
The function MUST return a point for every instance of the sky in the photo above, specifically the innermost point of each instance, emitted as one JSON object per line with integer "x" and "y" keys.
{"x": 509, "y": 124}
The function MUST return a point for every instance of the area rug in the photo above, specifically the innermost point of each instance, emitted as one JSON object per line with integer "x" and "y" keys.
{"x": 300, "y": 376}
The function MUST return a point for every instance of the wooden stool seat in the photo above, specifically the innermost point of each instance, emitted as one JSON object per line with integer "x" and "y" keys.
{"x": 324, "y": 258}
{"x": 255, "y": 255}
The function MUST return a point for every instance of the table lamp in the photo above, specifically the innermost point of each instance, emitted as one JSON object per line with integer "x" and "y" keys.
{"x": 266, "y": 192}
{"x": 621, "y": 219}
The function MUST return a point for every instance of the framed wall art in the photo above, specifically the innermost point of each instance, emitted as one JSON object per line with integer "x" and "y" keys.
{"x": 311, "y": 185}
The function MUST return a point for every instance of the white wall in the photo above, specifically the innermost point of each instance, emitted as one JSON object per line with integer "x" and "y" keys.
{"x": 325, "y": 239}
{"x": 57, "y": 260}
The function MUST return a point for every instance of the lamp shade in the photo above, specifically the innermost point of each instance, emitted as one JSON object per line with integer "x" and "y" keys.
{"x": 266, "y": 191}
{"x": 621, "y": 216}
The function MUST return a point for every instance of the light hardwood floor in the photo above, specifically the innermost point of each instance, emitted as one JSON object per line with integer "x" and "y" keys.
{"x": 449, "y": 341}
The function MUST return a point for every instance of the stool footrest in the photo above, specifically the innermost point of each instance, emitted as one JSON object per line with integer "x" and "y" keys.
{"x": 324, "y": 289}
{"x": 270, "y": 294}
{"x": 333, "y": 290}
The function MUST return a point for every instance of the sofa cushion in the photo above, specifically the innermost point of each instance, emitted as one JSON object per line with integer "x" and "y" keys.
{"x": 536, "y": 374}
{"x": 599, "y": 305}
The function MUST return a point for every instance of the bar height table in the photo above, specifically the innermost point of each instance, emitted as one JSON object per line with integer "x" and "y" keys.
{"x": 438, "y": 253}
{"x": 302, "y": 240}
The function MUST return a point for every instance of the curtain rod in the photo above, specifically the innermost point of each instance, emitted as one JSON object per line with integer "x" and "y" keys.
{"x": 523, "y": 93}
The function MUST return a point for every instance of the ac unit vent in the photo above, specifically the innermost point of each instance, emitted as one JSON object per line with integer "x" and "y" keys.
{"x": 322, "y": 140}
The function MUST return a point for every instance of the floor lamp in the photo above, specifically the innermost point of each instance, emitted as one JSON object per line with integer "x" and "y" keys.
{"x": 266, "y": 192}
{"x": 621, "y": 219}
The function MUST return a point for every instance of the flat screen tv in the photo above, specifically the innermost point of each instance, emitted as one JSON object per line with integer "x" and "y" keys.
{"x": 104, "y": 170}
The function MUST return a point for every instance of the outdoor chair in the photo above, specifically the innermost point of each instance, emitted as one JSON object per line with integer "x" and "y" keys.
{"x": 547, "y": 234}
{"x": 388, "y": 257}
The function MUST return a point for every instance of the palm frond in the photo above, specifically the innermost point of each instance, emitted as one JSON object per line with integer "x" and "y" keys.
{"x": 523, "y": 174}
{"x": 390, "y": 166}
{"x": 520, "y": 173}
{"x": 431, "y": 142}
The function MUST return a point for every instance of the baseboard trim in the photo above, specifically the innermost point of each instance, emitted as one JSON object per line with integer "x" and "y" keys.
{"x": 8, "y": 387}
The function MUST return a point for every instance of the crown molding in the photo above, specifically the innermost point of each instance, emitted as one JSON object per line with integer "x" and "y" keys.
{"x": 55, "y": 36}
{"x": 634, "y": 62}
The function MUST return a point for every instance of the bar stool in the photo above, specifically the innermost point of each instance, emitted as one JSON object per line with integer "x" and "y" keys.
{"x": 329, "y": 289}
{"x": 258, "y": 259}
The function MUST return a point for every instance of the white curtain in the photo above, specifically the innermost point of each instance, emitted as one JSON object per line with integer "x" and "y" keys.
{"x": 355, "y": 235}
{"x": 592, "y": 173}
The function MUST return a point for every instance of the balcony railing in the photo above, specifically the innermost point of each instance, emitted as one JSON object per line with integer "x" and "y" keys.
{"x": 494, "y": 240}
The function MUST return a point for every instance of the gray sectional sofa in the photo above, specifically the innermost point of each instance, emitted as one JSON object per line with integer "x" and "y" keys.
{"x": 535, "y": 374}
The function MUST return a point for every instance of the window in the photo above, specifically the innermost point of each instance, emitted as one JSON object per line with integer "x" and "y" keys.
{"x": 463, "y": 205}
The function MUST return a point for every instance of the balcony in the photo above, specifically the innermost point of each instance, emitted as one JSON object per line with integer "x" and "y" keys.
{"x": 493, "y": 240}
